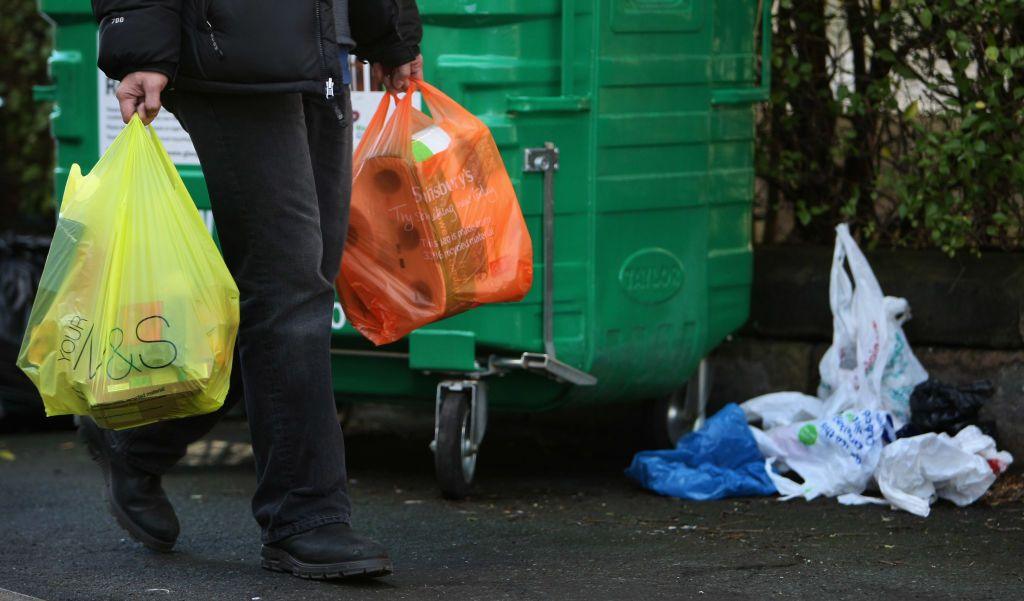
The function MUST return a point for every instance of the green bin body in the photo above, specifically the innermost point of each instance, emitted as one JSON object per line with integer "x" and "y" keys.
{"x": 650, "y": 105}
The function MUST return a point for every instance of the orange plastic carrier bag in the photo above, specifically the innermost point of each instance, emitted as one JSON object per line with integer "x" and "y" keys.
{"x": 435, "y": 227}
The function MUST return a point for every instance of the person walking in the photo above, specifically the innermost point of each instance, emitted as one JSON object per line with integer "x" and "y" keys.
{"x": 261, "y": 89}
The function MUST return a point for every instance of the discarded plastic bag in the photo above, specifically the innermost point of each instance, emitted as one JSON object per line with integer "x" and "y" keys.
{"x": 939, "y": 407}
{"x": 135, "y": 317}
{"x": 782, "y": 408}
{"x": 435, "y": 227}
{"x": 914, "y": 472}
{"x": 867, "y": 329}
{"x": 833, "y": 456}
{"x": 718, "y": 461}
{"x": 870, "y": 364}
{"x": 21, "y": 264}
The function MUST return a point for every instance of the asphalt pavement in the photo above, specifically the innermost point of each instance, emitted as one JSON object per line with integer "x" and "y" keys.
{"x": 552, "y": 517}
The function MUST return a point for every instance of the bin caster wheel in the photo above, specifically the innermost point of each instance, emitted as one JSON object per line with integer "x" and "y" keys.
{"x": 671, "y": 419}
{"x": 454, "y": 452}
{"x": 681, "y": 412}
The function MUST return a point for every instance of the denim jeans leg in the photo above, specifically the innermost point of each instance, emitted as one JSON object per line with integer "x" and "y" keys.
{"x": 279, "y": 210}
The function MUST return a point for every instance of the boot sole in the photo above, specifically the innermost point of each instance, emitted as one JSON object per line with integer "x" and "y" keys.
{"x": 122, "y": 519}
{"x": 277, "y": 560}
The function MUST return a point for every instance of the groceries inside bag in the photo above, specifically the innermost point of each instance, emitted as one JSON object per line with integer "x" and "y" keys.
{"x": 136, "y": 314}
{"x": 435, "y": 227}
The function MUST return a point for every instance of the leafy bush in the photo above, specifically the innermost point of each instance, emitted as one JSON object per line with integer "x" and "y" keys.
{"x": 902, "y": 117}
{"x": 26, "y": 149}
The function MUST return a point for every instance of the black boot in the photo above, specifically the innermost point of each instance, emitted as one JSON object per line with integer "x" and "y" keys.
{"x": 328, "y": 552}
{"x": 135, "y": 498}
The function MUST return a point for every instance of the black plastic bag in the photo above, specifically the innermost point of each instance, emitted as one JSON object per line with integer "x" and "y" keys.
{"x": 939, "y": 407}
{"x": 21, "y": 264}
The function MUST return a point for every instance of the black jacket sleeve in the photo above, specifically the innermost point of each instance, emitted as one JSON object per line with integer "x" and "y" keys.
{"x": 409, "y": 26}
{"x": 138, "y": 35}
{"x": 386, "y": 31}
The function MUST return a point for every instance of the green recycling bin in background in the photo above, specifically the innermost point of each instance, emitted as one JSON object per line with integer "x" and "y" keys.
{"x": 627, "y": 127}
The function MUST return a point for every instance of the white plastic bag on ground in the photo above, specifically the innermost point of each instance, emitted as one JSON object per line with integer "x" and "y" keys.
{"x": 913, "y": 472}
{"x": 833, "y": 456}
{"x": 781, "y": 409}
{"x": 869, "y": 365}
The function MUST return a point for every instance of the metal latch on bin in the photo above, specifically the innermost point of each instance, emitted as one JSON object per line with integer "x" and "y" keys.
{"x": 544, "y": 159}
{"x": 545, "y": 365}
{"x": 540, "y": 159}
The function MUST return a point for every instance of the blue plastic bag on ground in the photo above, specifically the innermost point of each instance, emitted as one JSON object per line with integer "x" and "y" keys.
{"x": 718, "y": 461}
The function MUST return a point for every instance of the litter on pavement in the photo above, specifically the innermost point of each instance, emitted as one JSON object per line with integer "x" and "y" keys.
{"x": 913, "y": 472}
{"x": 939, "y": 407}
{"x": 833, "y": 456}
{"x": 718, "y": 461}
{"x": 877, "y": 422}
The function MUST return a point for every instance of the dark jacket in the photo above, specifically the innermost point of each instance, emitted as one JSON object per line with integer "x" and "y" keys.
{"x": 251, "y": 45}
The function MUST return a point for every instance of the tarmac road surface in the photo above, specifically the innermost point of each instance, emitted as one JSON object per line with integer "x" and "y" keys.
{"x": 552, "y": 518}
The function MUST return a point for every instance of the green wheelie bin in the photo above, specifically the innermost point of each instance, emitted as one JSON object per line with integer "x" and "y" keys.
{"x": 627, "y": 128}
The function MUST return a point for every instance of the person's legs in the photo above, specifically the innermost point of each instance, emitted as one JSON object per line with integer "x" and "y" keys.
{"x": 156, "y": 448}
{"x": 258, "y": 166}
{"x": 133, "y": 462}
{"x": 329, "y": 550}
{"x": 279, "y": 173}
{"x": 259, "y": 169}
{"x": 330, "y": 144}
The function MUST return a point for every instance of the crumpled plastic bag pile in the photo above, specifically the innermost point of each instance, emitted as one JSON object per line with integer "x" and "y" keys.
{"x": 843, "y": 443}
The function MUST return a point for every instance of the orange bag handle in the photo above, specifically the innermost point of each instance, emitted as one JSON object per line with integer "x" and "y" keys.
{"x": 382, "y": 134}
{"x": 371, "y": 137}
{"x": 396, "y": 131}
{"x": 442, "y": 107}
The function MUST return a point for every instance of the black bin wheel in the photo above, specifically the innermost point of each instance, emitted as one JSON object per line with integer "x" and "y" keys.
{"x": 455, "y": 455}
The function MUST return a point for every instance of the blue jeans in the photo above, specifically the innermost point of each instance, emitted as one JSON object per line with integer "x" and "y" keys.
{"x": 278, "y": 168}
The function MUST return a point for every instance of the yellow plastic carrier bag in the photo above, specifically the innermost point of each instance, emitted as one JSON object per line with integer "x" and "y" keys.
{"x": 136, "y": 314}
